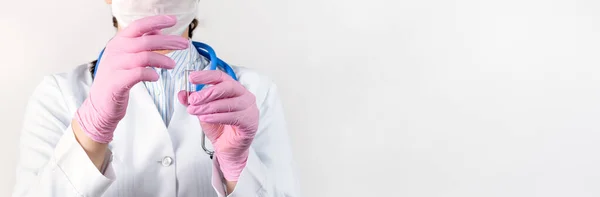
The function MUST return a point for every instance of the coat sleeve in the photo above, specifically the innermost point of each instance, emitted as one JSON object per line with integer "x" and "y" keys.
{"x": 52, "y": 163}
{"x": 269, "y": 171}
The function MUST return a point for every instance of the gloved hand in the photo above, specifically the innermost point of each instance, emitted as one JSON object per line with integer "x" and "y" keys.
{"x": 125, "y": 63}
{"x": 228, "y": 115}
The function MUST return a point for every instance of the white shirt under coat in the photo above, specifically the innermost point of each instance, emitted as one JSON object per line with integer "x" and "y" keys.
{"x": 148, "y": 158}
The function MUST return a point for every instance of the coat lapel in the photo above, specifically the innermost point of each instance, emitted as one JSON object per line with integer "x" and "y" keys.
{"x": 183, "y": 125}
{"x": 142, "y": 104}
{"x": 141, "y": 122}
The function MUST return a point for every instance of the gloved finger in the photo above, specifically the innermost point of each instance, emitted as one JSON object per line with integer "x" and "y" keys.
{"x": 220, "y": 106}
{"x": 148, "y": 59}
{"x": 226, "y": 89}
{"x": 183, "y": 97}
{"x": 148, "y": 24}
{"x": 209, "y": 77}
{"x": 156, "y": 42}
{"x": 245, "y": 119}
{"x": 155, "y": 32}
{"x": 136, "y": 75}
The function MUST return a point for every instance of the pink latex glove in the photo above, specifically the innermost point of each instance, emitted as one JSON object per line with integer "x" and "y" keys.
{"x": 228, "y": 116}
{"x": 125, "y": 63}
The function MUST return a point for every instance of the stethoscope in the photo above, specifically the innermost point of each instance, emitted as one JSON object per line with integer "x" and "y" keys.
{"x": 215, "y": 63}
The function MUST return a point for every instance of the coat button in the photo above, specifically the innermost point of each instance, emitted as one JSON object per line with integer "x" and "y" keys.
{"x": 167, "y": 161}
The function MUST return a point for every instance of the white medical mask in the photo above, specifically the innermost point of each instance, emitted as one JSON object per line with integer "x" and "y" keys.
{"x": 127, "y": 11}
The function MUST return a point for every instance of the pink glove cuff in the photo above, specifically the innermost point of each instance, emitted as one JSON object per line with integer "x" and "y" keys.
{"x": 95, "y": 127}
{"x": 232, "y": 167}
{"x": 233, "y": 162}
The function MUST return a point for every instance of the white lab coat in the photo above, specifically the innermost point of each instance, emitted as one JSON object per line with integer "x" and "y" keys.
{"x": 148, "y": 159}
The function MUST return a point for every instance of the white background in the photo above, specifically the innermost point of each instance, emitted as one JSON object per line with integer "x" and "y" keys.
{"x": 384, "y": 98}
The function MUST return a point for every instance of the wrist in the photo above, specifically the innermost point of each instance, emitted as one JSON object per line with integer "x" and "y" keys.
{"x": 96, "y": 151}
{"x": 230, "y": 186}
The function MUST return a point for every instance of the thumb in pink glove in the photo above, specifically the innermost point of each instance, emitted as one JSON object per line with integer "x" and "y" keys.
{"x": 124, "y": 64}
{"x": 228, "y": 115}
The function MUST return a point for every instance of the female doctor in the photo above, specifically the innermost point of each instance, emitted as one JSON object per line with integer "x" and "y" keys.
{"x": 127, "y": 130}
